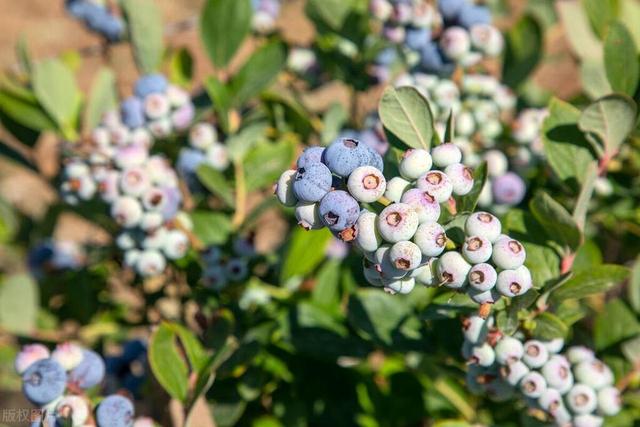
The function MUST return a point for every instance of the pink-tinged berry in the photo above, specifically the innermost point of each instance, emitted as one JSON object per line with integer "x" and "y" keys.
{"x": 483, "y": 224}
{"x": 436, "y": 183}
{"x": 430, "y": 238}
{"x": 126, "y": 211}
{"x": 455, "y": 42}
{"x": 30, "y": 354}
{"x": 425, "y": 205}
{"x": 150, "y": 263}
{"x": 461, "y": 178}
{"x": 483, "y": 277}
{"x": 134, "y": 181}
{"x": 202, "y": 135}
{"x": 405, "y": 255}
{"x": 366, "y": 184}
{"x": 477, "y": 249}
{"x": 397, "y": 222}
{"x": 68, "y": 355}
{"x": 508, "y": 253}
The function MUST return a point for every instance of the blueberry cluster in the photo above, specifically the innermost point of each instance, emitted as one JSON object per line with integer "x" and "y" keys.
{"x": 503, "y": 187}
{"x": 371, "y": 134}
{"x": 221, "y": 270}
{"x": 141, "y": 190}
{"x": 265, "y": 14}
{"x": 127, "y": 369}
{"x": 573, "y": 389}
{"x": 57, "y": 381}
{"x": 457, "y": 33}
{"x": 204, "y": 148}
{"x": 158, "y": 106}
{"x": 97, "y": 17}
{"x": 489, "y": 264}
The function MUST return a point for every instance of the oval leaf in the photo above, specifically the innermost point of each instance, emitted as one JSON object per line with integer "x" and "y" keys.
{"x": 168, "y": 366}
{"x": 405, "y": 113}
{"x": 621, "y": 59}
{"x": 146, "y": 32}
{"x": 584, "y": 283}
{"x": 223, "y": 26}
{"x": 611, "y": 118}
{"x": 55, "y": 87}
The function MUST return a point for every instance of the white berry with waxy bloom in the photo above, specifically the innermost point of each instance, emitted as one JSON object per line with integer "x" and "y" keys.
{"x": 150, "y": 263}
{"x": 483, "y": 224}
{"x": 431, "y": 238}
{"x": 461, "y": 178}
{"x": 557, "y": 372}
{"x": 476, "y": 249}
{"x": 582, "y": 399}
{"x": 593, "y": 373}
{"x": 475, "y": 328}
{"x": 396, "y": 187}
{"x": 514, "y": 372}
{"x": 512, "y": 283}
{"x": 68, "y": 355}
{"x": 533, "y": 385}
{"x": 509, "y": 350}
{"x": 308, "y": 216}
{"x": 577, "y": 354}
{"x": 400, "y": 286}
{"x": 482, "y": 277}
{"x": 176, "y": 244}
{"x": 425, "y": 205}
{"x": 397, "y": 222}
{"x": 436, "y": 183}
{"x": 535, "y": 354}
{"x": 587, "y": 420}
{"x": 609, "y": 401}
{"x": 368, "y": 238}
{"x": 424, "y": 274}
{"x": 446, "y": 154}
{"x": 405, "y": 255}
{"x": 484, "y": 297}
{"x": 386, "y": 266}
{"x": 74, "y": 409}
{"x": 127, "y": 211}
{"x": 453, "y": 270}
{"x": 415, "y": 162}
{"x": 366, "y": 184}
{"x": 284, "y": 188}
{"x": 508, "y": 253}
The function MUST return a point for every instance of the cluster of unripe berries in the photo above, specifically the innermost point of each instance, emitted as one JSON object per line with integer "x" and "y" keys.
{"x": 141, "y": 190}
{"x": 573, "y": 389}
{"x": 221, "y": 270}
{"x": 436, "y": 40}
{"x": 97, "y": 17}
{"x": 204, "y": 148}
{"x": 56, "y": 381}
{"x": 158, "y": 106}
{"x": 265, "y": 14}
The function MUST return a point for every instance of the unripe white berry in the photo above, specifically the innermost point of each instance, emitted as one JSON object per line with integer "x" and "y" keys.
{"x": 308, "y": 216}
{"x": 483, "y": 224}
{"x": 396, "y": 188}
{"x": 446, "y": 154}
{"x": 453, "y": 270}
{"x": 397, "y": 222}
{"x": 368, "y": 238}
{"x": 415, "y": 162}
{"x": 430, "y": 238}
{"x": 436, "y": 183}
{"x": 366, "y": 184}
{"x": 284, "y": 188}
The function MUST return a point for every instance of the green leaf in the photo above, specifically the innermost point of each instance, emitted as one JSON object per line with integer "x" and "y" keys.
{"x": 333, "y": 122}
{"x": 601, "y": 13}
{"x": 468, "y": 202}
{"x": 211, "y": 228}
{"x": 631, "y": 350}
{"x": 181, "y": 67}
{"x": 102, "y": 98}
{"x": 266, "y": 161}
{"x": 196, "y": 354}
{"x": 166, "y": 362}
{"x": 578, "y": 30}
{"x": 566, "y": 149}
{"x": 55, "y": 87}
{"x": 614, "y": 324}
{"x": 549, "y": 326}
{"x": 584, "y": 198}
{"x": 19, "y": 302}
{"x": 306, "y": 250}
{"x": 405, "y": 113}
{"x": 331, "y": 12}
{"x": 555, "y": 219}
{"x": 524, "y": 46}
{"x": 621, "y": 59}
{"x": 8, "y": 222}
{"x": 634, "y": 286}
{"x": 594, "y": 78}
{"x": 584, "y": 283}
{"x": 611, "y": 118}
{"x": 630, "y": 15}
{"x": 239, "y": 144}
{"x": 326, "y": 292}
{"x": 223, "y": 26}
{"x": 24, "y": 57}
{"x": 25, "y": 112}
{"x": 376, "y": 314}
{"x": 146, "y": 31}
{"x": 214, "y": 181}
{"x": 258, "y": 72}
{"x": 221, "y": 100}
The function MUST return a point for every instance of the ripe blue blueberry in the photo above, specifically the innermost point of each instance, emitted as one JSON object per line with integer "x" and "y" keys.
{"x": 310, "y": 155}
{"x": 312, "y": 183}
{"x": 471, "y": 15}
{"x": 115, "y": 411}
{"x": 44, "y": 381}
{"x": 132, "y": 111}
{"x": 151, "y": 83}
{"x": 417, "y": 37}
{"x": 451, "y": 8}
{"x": 508, "y": 189}
{"x": 89, "y": 372}
{"x": 338, "y": 210}
{"x": 345, "y": 155}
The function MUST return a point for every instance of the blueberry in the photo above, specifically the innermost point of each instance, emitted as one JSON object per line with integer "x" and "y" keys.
{"x": 44, "y": 381}
{"x": 509, "y": 350}
{"x": 587, "y": 420}
{"x": 89, "y": 372}
{"x": 30, "y": 354}
{"x": 453, "y": 270}
{"x": 151, "y": 263}
{"x": 68, "y": 355}
{"x": 405, "y": 255}
{"x": 308, "y": 216}
{"x": 578, "y": 354}
{"x": 397, "y": 222}
{"x": 508, "y": 189}
{"x": 432, "y": 61}
{"x": 550, "y": 400}
{"x": 387, "y": 56}
{"x": 312, "y": 183}
{"x": 555, "y": 345}
{"x": 474, "y": 15}
{"x": 593, "y": 373}
{"x": 451, "y": 8}
{"x": 582, "y": 399}
{"x": 508, "y": 253}
{"x": 388, "y": 270}
{"x": 483, "y": 355}
{"x": 609, "y": 401}
{"x": 368, "y": 238}
{"x": 437, "y": 184}
{"x": 512, "y": 373}
{"x": 176, "y": 244}
{"x": 151, "y": 83}
{"x": 424, "y": 274}
{"x": 423, "y": 203}
{"x": 475, "y": 328}
{"x": 512, "y": 283}
{"x": 415, "y": 162}
{"x": 396, "y": 187}
{"x": 461, "y": 178}
{"x": 483, "y": 224}
{"x": 237, "y": 269}
{"x": 557, "y": 373}
{"x": 533, "y": 385}
{"x": 455, "y": 43}
{"x": 202, "y": 135}
{"x": 310, "y": 155}
{"x": 430, "y": 238}
{"x": 399, "y": 286}
{"x": 73, "y": 409}
{"x": 366, "y": 184}
{"x": 487, "y": 39}
{"x": 446, "y": 154}
{"x": 476, "y": 249}
{"x": 372, "y": 275}
{"x": 497, "y": 163}
{"x": 535, "y": 354}
{"x": 483, "y": 297}
{"x": 115, "y": 411}
{"x": 132, "y": 112}
{"x": 482, "y": 277}
{"x": 345, "y": 155}
{"x": 417, "y": 37}
{"x": 338, "y": 210}
{"x": 500, "y": 391}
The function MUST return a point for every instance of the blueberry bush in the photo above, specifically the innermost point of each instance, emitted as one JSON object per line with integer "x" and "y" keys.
{"x": 324, "y": 212}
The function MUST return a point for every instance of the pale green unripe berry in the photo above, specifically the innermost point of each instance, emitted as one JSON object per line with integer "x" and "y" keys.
{"x": 284, "y": 188}
{"x": 368, "y": 238}
{"x": 414, "y": 163}
{"x": 308, "y": 216}
{"x": 396, "y": 187}
{"x": 452, "y": 270}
